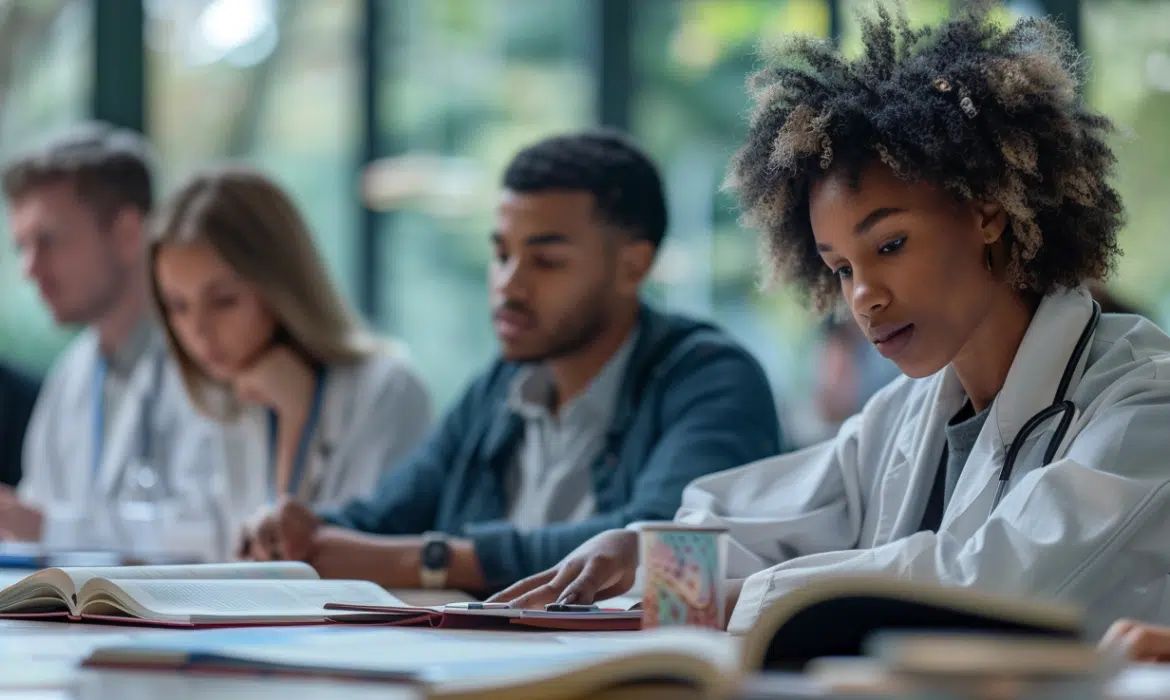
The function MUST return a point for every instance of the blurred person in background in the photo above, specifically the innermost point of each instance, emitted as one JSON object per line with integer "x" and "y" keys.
{"x": 112, "y": 425}
{"x": 598, "y": 412}
{"x": 312, "y": 405}
{"x": 18, "y": 395}
{"x": 847, "y": 372}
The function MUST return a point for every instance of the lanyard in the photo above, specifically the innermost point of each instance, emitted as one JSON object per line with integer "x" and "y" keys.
{"x": 149, "y": 399}
{"x": 99, "y": 412}
{"x": 299, "y": 459}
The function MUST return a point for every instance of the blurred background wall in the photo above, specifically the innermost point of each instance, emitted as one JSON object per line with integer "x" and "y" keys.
{"x": 391, "y": 119}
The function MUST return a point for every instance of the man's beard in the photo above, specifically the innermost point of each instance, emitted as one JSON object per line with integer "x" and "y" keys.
{"x": 573, "y": 334}
{"x": 99, "y": 304}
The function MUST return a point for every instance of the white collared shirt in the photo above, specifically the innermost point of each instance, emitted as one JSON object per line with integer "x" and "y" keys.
{"x": 551, "y": 476}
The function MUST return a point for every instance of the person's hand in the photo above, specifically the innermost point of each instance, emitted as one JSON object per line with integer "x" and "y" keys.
{"x": 278, "y": 379}
{"x": 286, "y": 532}
{"x": 601, "y": 568}
{"x": 19, "y": 522}
{"x": 1139, "y": 642}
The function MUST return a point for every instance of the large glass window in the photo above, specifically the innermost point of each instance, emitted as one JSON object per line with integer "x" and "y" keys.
{"x": 44, "y": 86}
{"x": 1128, "y": 44}
{"x": 272, "y": 82}
{"x": 689, "y": 104}
{"x": 470, "y": 82}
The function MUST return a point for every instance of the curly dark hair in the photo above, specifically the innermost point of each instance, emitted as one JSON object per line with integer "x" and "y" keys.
{"x": 604, "y": 162}
{"x": 985, "y": 111}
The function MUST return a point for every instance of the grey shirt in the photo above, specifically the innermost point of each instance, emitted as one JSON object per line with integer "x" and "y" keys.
{"x": 550, "y": 479}
{"x": 961, "y": 433}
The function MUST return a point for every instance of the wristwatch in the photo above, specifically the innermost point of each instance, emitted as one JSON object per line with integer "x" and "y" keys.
{"x": 434, "y": 558}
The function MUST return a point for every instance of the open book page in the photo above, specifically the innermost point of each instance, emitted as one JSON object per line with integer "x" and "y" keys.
{"x": 467, "y": 661}
{"x": 42, "y": 592}
{"x": 702, "y": 659}
{"x": 57, "y": 589}
{"x": 219, "y": 601}
{"x": 389, "y": 650}
{"x": 621, "y": 602}
{"x": 282, "y": 570}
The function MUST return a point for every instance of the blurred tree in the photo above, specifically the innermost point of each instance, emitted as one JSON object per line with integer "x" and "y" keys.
{"x": 1128, "y": 44}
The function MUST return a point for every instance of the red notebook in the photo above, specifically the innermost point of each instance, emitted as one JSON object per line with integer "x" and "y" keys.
{"x": 204, "y": 595}
{"x": 462, "y": 618}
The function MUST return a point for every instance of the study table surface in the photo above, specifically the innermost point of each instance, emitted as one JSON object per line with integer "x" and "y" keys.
{"x": 39, "y": 661}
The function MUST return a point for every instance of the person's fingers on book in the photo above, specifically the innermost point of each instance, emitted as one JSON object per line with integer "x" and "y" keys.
{"x": 551, "y": 591}
{"x": 523, "y": 586}
{"x": 1147, "y": 643}
{"x": 244, "y": 545}
{"x": 1116, "y": 634}
{"x": 597, "y": 575}
{"x": 266, "y": 543}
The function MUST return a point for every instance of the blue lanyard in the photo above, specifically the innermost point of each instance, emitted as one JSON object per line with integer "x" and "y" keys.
{"x": 101, "y": 369}
{"x": 99, "y": 412}
{"x": 299, "y": 460}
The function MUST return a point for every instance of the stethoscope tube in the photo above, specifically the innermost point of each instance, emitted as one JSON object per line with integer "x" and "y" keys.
{"x": 1061, "y": 406}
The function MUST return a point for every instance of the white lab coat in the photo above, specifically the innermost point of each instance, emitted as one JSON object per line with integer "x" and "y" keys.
{"x": 81, "y": 510}
{"x": 1092, "y": 527}
{"x": 373, "y": 414}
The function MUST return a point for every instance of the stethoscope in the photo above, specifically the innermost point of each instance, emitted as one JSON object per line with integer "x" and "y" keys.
{"x": 1061, "y": 406}
{"x": 149, "y": 395}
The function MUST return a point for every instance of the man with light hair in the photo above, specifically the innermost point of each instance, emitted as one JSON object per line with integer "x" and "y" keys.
{"x": 111, "y": 426}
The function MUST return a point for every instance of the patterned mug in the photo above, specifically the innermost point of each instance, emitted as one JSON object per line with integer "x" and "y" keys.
{"x": 684, "y": 569}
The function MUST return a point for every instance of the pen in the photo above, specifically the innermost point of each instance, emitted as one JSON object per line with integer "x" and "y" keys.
{"x": 566, "y": 607}
{"x": 479, "y": 606}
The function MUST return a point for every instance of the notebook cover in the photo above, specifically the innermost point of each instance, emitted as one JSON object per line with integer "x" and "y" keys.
{"x": 840, "y": 627}
{"x": 488, "y": 619}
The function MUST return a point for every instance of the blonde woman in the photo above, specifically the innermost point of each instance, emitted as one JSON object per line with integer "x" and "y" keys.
{"x": 313, "y": 406}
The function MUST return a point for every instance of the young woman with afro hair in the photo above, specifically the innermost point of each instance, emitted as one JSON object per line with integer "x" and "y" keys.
{"x": 950, "y": 188}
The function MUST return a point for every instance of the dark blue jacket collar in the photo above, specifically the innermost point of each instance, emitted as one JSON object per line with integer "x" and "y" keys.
{"x": 658, "y": 335}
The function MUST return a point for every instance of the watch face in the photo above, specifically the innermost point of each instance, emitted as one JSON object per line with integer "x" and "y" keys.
{"x": 436, "y": 555}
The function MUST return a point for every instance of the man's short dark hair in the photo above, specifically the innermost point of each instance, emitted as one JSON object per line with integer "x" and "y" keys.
{"x": 622, "y": 178}
{"x": 109, "y": 167}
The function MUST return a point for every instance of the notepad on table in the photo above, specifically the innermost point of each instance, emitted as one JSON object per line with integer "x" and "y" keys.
{"x": 186, "y": 596}
{"x": 602, "y": 620}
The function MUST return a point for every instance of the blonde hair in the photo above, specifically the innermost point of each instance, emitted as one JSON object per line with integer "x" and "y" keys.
{"x": 256, "y": 229}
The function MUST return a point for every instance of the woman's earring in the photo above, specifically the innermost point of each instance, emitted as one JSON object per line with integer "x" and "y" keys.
{"x": 987, "y": 257}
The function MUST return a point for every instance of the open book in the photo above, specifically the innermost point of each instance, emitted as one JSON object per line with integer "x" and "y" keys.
{"x": 186, "y": 596}
{"x": 827, "y": 618}
{"x": 835, "y": 617}
{"x": 446, "y": 665}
